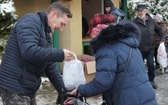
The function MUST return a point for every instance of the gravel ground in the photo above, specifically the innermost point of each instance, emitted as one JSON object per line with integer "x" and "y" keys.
{"x": 46, "y": 95}
{"x": 161, "y": 93}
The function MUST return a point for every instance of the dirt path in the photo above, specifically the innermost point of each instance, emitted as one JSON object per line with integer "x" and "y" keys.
{"x": 46, "y": 95}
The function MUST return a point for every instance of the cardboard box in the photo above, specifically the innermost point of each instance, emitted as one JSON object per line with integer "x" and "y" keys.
{"x": 89, "y": 66}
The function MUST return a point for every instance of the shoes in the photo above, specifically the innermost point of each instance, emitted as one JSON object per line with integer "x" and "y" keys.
{"x": 153, "y": 85}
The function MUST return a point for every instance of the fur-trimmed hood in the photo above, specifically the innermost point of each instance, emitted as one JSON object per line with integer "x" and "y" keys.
{"x": 125, "y": 32}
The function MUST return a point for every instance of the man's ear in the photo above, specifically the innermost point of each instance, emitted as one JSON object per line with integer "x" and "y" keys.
{"x": 54, "y": 13}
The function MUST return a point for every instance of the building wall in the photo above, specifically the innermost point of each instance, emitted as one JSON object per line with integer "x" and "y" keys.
{"x": 71, "y": 37}
{"x": 116, "y": 2}
{"x": 30, "y": 6}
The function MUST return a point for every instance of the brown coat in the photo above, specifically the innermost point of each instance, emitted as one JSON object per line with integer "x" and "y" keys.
{"x": 164, "y": 27}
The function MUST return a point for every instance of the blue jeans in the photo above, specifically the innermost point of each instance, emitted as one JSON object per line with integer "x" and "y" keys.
{"x": 149, "y": 56}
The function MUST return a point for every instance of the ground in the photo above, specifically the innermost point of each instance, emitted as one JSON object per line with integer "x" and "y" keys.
{"x": 162, "y": 91}
{"x": 47, "y": 95}
{"x": 46, "y": 98}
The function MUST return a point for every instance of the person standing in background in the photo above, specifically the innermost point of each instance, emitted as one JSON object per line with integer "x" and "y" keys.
{"x": 159, "y": 19}
{"x": 29, "y": 53}
{"x": 148, "y": 27}
{"x": 111, "y": 9}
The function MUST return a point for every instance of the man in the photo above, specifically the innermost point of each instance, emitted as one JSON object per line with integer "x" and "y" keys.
{"x": 29, "y": 53}
{"x": 111, "y": 9}
{"x": 148, "y": 28}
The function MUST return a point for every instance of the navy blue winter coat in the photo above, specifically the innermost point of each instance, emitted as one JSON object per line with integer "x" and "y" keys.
{"x": 111, "y": 49}
{"x": 28, "y": 54}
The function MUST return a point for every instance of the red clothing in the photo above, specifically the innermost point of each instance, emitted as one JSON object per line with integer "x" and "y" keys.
{"x": 100, "y": 18}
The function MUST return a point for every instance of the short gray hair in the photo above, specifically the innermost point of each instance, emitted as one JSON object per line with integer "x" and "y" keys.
{"x": 158, "y": 17}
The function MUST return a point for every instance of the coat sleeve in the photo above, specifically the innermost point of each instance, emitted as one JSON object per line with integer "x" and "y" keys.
{"x": 33, "y": 44}
{"x": 54, "y": 76}
{"x": 159, "y": 32}
{"x": 106, "y": 65}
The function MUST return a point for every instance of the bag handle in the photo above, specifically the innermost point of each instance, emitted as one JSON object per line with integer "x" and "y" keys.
{"x": 75, "y": 56}
{"x": 123, "y": 77}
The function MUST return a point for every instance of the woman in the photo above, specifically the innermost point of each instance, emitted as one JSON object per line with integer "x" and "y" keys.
{"x": 159, "y": 19}
{"x": 111, "y": 49}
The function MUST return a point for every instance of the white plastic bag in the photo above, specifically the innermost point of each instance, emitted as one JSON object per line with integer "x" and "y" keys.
{"x": 162, "y": 55}
{"x": 73, "y": 74}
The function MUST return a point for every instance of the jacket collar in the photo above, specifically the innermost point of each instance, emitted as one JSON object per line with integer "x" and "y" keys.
{"x": 137, "y": 19}
{"x": 44, "y": 20}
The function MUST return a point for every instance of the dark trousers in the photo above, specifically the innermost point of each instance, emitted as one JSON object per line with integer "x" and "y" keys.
{"x": 9, "y": 98}
{"x": 157, "y": 64}
{"x": 149, "y": 56}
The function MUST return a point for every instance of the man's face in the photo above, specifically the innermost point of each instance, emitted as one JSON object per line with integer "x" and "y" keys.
{"x": 59, "y": 22}
{"x": 107, "y": 10}
{"x": 142, "y": 13}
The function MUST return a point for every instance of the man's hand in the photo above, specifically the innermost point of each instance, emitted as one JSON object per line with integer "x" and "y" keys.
{"x": 68, "y": 55}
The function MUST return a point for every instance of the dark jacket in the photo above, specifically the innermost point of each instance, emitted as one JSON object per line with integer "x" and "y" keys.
{"x": 111, "y": 50}
{"x": 163, "y": 25}
{"x": 147, "y": 33}
{"x": 28, "y": 54}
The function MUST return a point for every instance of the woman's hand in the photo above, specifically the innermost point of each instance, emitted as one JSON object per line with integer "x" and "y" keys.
{"x": 74, "y": 92}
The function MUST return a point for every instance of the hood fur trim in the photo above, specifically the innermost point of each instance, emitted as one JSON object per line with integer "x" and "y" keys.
{"x": 114, "y": 33}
